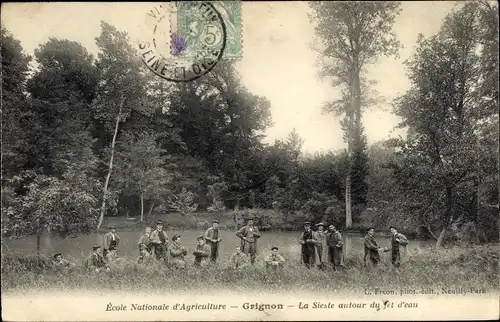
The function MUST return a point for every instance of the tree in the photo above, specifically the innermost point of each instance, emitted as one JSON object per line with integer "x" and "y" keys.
{"x": 61, "y": 92}
{"x": 15, "y": 107}
{"x": 120, "y": 92}
{"x": 441, "y": 113}
{"x": 66, "y": 206}
{"x": 220, "y": 122}
{"x": 139, "y": 169}
{"x": 353, "y": 35}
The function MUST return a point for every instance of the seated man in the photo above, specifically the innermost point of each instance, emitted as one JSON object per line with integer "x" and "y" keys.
{"x": 177, "y": 253}
{"x": 145, "y": 240}
{"x": 144, "y": 256}
{"x": 238, "y": 260}
{"x": 112, "y": 257}
{"x": 274, "y": 261}
{"x": 201, "y": 253}
{"x": 96, "y": 261}
{"x": 59, "y": 263}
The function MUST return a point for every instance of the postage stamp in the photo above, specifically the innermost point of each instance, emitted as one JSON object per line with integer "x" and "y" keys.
{"x": 205, "y": 42}
{"x": 189, "y": 26}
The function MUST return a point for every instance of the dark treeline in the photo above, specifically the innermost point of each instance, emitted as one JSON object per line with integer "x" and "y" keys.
{"x": 198, "y": 146}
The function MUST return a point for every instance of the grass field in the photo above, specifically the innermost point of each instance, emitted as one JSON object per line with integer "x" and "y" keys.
{"x": 422, "y": 267}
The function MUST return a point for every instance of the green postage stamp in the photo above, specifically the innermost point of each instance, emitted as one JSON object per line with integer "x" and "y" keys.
{"x": 193, "y": 33}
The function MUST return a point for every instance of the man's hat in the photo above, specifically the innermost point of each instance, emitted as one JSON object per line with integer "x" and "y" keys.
{"x": 96, "y": 247}
{"x": 142, "y": 246}
{"x": 370, "y": 228}
{"x": 200, "y": 237}
{"x": 320, "y": 224}
{"x": 159, "y": 222}
{"x": 250, "y": 218}
{"x": 58, "y": 254}
{"x": 112, "y": 227}
{"x": 215, "y": 221}
{"x": 175, "y": 237}
{"x": 307, "y": 223}
{"x": 274, "y": 247}
{"x": 392, "y": 227}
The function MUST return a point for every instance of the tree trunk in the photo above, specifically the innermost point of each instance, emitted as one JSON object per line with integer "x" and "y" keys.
{"x": 439, "y": 242}
{"x": 103, "y": 206}
{"x": 142, "y": 206}
{"x": 447, "y": 216}
{"x": 348, "y": 213}
{"x": 151, "y": 208}
{"x": 38, "y": 245}
{"x": 235, "y": 211}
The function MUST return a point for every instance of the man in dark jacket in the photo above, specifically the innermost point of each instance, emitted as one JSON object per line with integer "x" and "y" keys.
{"x": 371, "y": 248}
{"x": 111, "y": 241}
{"x": 96, "y": 261}
{"x": 335, "y": 247}
{"x": 212, "y": 237}
{"x": 308, "y": 243}
{"x": 397, "y": 239}
{"x": 201, "y": 252}
{"x": 159, "y": 242}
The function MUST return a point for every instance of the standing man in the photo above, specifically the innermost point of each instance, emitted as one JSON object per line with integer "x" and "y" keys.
{"x": 111, "y": 240}
{"x": 145, "y": 240}
{"x": 249, "y": 235}
{"x": 213, "y": 240}
{"x": 159, "y": 242}
{"x": 371, "y": 248}
{"x": 201, "y": 252}
{"x": 397, "y": 239}
{"x": 335, "y": 247}
{"x": 321, "y": 246}
{"x": 308, "y": 243}
{"x": 274, "y": 261}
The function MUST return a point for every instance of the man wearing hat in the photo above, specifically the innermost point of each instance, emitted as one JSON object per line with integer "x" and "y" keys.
{"x": 201, "y": 252}
{"x": 96, "y": 261}
{"x": 321, "y": 246}
{"x": 371, "y": 248}
{"x": 397, "y": 239}
{"x": 111, "y": 240}
{"x": 159, "y": 242}
{"x": 335, "y": 247}
{"x": 212, "y": 236}
{"x": 308, "y": 243}
{"x": 274, "y": 261}
{"x": 177, "y": 253}
{"x": 249, "y": 235}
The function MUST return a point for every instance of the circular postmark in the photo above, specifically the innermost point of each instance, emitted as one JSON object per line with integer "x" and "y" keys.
{"x": 190, "y": 48}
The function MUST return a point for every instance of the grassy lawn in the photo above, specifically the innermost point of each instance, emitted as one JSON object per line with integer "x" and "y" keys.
{"x": 456, "y": 267}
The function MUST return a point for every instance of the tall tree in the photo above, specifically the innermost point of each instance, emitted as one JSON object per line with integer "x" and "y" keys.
{"x": 441, "y": 113}
{"x": 61, "y": 91}
{"x": 353, "y": 35}
{"x": 120, "y": 93}
{"x": 15, "y": 106}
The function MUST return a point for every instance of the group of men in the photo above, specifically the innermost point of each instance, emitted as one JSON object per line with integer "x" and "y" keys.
{"x": 318, "y": 248}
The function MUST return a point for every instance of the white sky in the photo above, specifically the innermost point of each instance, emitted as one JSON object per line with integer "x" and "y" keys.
{"x": 276, "y": 63}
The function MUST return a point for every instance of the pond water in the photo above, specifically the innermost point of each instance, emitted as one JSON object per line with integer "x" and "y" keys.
{"x": 81, "y": 246}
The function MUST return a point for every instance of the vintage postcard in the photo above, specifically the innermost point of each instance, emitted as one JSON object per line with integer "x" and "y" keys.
{"x": 227, "y": 160}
